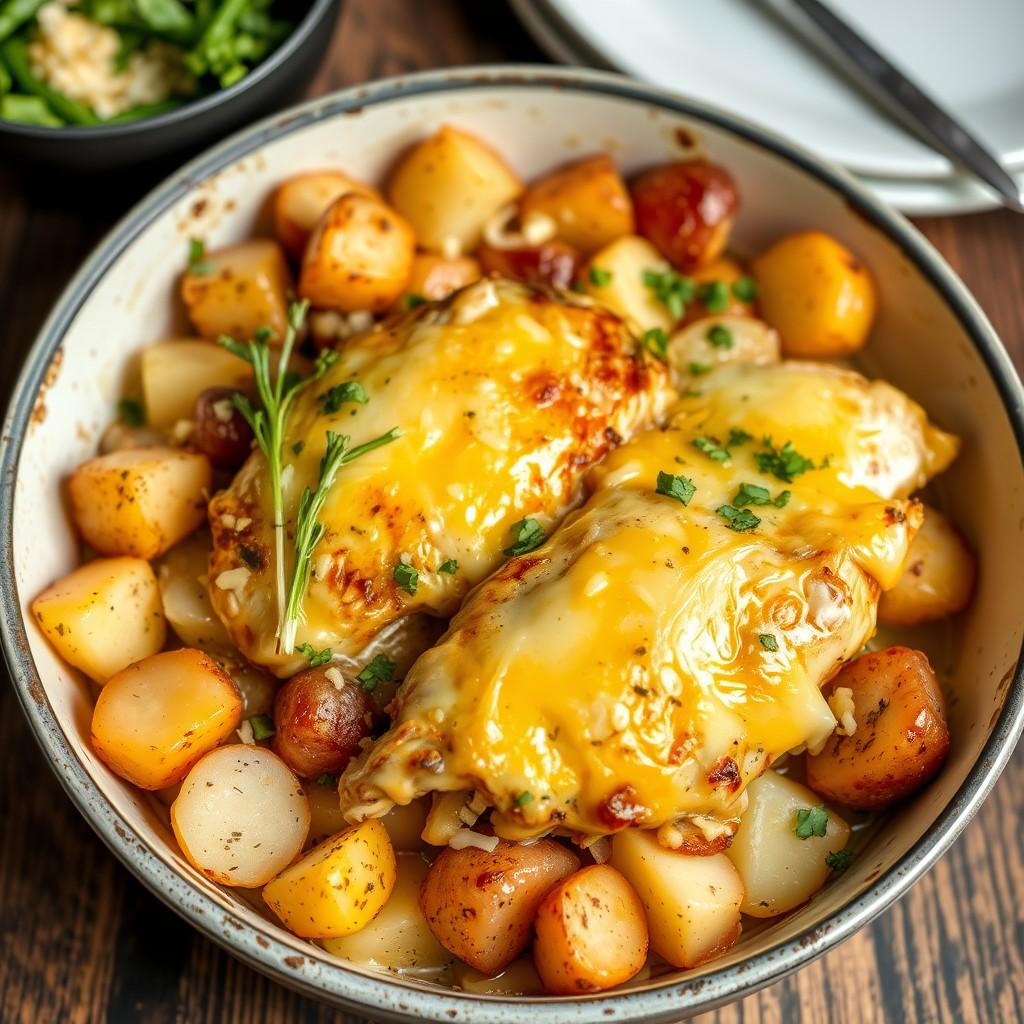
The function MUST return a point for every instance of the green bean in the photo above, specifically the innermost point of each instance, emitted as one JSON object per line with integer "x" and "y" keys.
{"x": 145, "y": 110}
{"x": 216, "y": 36}
{"x": 5, "y": 79}
{"x": 15, "y": 56}
{"x": 14, "y": 14}
{"x": 28, "y": 110}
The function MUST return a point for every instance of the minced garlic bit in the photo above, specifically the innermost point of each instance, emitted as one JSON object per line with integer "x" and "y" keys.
{"x": 182, "y": 431}
{"x": 335, "y": 677}
{"x": 506, "y": 230}
{"x": 245, "y": 733}
{"x": 233, "y": 579}
{"x": 841, "y": 705}
{"x": 467, "y": 837}
{"x": 224, "y": 410}
{"x": 77, "y": 56}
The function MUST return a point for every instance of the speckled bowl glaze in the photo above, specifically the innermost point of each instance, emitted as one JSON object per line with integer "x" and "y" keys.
{"x": 931, "y": 339}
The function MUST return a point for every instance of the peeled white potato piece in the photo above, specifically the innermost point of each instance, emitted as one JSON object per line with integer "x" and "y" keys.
{"x": 779, "y": 869}
{"x": 714, "y": 341}
{"x": 615, "y": 277}
{"x": 692, "y": 903}
{"x": 241, "y": 816}
{"x": 185, "y": 592}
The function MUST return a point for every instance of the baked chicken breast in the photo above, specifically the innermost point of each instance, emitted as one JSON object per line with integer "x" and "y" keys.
{"x": 504, "y": 396}
{"x": 670, "y": 640}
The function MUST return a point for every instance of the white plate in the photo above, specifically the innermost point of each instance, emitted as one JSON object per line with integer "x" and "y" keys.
{"x": 735, "y": 54}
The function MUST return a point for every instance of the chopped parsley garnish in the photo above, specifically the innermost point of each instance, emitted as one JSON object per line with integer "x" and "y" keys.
{"x": 197, "y": 261}
{"x": 682, "y": 488}
{"x": 699, "y": 369}
{"x": 297, "y": 447}
{"x": 412, "y": 300}
{"x": 752, "y": 494}
{"x": 839, "y": 860}
{"x": 528, "y": 534}
{"x": 130, "y": 412}
{"x": 745, "y": 288}
{"x": 656, "y": 342}
{"x": 348, "y": 391}
{"x": 738, "y": 519}
{"x": 768, "y": 641}
{"x": 262, "y": 727}
{"x": 717, "y": 451}
{"x": 524, "y": 798}
{"x": 811, "y": 821}
{"x": 449, "y": 566}
{"x": 406, "y": 575}
{"x": 314, "y": 657}
{"x": 326, "y": 780}
{"x": 381, "y": 669}
{"x": 783, "y": 463}
{"x": 738, "y": 437}
{"x": 599, "y": 277}
{"x": 719, "y": 336}
{"x": 782, "y": 499}
{"x": 672, "y": 290}
{"x": 715, "y": 296}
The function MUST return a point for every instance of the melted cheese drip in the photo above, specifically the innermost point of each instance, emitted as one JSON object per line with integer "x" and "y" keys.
{"x": 619, "y": 673}
{"x": 503, "y": 398}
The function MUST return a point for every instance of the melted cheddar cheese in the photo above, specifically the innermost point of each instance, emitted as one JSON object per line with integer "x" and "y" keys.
{"x": 650, "y": 660}
{"x": 504, "y": 397}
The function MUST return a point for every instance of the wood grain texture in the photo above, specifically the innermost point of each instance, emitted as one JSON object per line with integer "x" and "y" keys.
{"x": 82, "y": 941}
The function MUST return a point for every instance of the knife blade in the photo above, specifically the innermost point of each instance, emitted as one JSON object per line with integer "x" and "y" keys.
{"x": 891, "y": 89}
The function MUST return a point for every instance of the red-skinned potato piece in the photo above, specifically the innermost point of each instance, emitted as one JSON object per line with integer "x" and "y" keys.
{"x": 318, "y": 722}
{"x": 481, "y": 905}
{"x": 901, "y": 737}
{"x": 685, "y": 210}
{"x": 551, "y": 262}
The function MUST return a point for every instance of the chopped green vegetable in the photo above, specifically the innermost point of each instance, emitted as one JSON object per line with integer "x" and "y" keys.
{"x": 407, "y": 576}
{"x": 326, "y": 780}
{"x": 412, "y": 300}
{"x": 524, "y": 798}
{"x": 28, "y": 110}
{"x": 782, "y": 499}
{"x": 449, "y": 566}
{"x": 839, "y": 860}
{"x": 380, "y": 670}
{"x": 528, "y": 534}
{"x": 738, "y": 437}
{"x": 656, "y": 342}
{"x": 15, "y": 13}
{"x": 131, "y": 412}
{"x": 783, "y": 463}
{"x": 682, "y": 488}
{"x": 14, "y": 55}
{"x": 145, "y": 110}
{"x": 745, "y": 288}
{"x": 672, "y": 290}
{"x": 714, "y": 295}
{"x": 314, "y": 657}
{"x": 197, "y": 261}
{"x": 768, "y": 641}
{"x": 599, "y": 277}
{"x": 699, "y": 369}
{"x": 752, "y": 494}
{"x": 811, "y": 821}
{"x": 719, "y": 336}
{"x": 262, "y": 727}
{"x": 348, "y": 391}
{"x": 711, "y": 448}
{"x": 738, "y": 519}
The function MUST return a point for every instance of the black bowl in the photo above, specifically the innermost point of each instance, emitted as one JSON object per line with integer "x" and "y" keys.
{"x": 272, "y": 84}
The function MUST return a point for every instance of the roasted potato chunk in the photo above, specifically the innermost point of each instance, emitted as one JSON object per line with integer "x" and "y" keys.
{"x": 901, "y": 738}
{"x": 552, "y": 262}
{"x": 481, "y": 905}
{"x": 238, "y": 290}
{"x": 185, "y": 594}
{"x": 339, "y": 887}
{"x": 816, "y": 294}
{"x": 359, "y": 257}
{"x": 141, "y": 501}
{"x": 615, "y": 276}
{"x": 699, "y": 347}
{"x": 155, "y": 719}
{"x": 937, "y": 580}
{"x": 241, "y": 816}
{"x": 686, "y": 209}
{"x": 320, "y": 718}
{"x": 103, "y": 616}
{"x": 587, "y": 200}
{"x": 781, "y": 862}
{"x": 433, "y": 277}
{"x": 591, "y": 932}
{"x": 448, "y": 187}
{"x": 301, "y": 201}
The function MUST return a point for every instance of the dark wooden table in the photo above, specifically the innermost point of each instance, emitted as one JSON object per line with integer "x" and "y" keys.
{"x": 81, "y": 940}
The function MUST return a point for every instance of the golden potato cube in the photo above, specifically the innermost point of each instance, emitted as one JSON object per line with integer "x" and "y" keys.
{"x": 615, "y": 277}
{"x": 140, "y": 501}
{"x": 175, "y": 373}
{"x": 398, "y": 938}
{"x": 239, "y": 289}
{"x": 358, "y": 258}
{"x": 587, "y": 199}
{"x": 779, "y": 869}
{"x": 103, "y": 616}
{"x": 448, "y": 187}
{"x": 434, "y": 277}
{"x": 339, "y": 886}
{"x": 156, "y": 718}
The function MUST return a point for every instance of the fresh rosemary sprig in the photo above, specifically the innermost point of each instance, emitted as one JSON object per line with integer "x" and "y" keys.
{"x": 309, "y": 530}
{"x": 268, "y": 422}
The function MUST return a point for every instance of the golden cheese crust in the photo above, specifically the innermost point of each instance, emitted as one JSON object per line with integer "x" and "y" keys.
{"x": 504, "y": 395}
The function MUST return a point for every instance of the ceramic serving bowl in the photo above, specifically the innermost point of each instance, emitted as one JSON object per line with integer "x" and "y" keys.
{"x": 931, "y": 339}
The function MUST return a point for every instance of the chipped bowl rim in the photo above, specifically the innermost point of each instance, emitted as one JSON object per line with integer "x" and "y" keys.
{"x": 393, "y": 999}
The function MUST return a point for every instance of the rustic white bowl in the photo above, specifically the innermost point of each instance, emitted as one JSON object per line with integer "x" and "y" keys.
{"x": 931, "y": 339}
